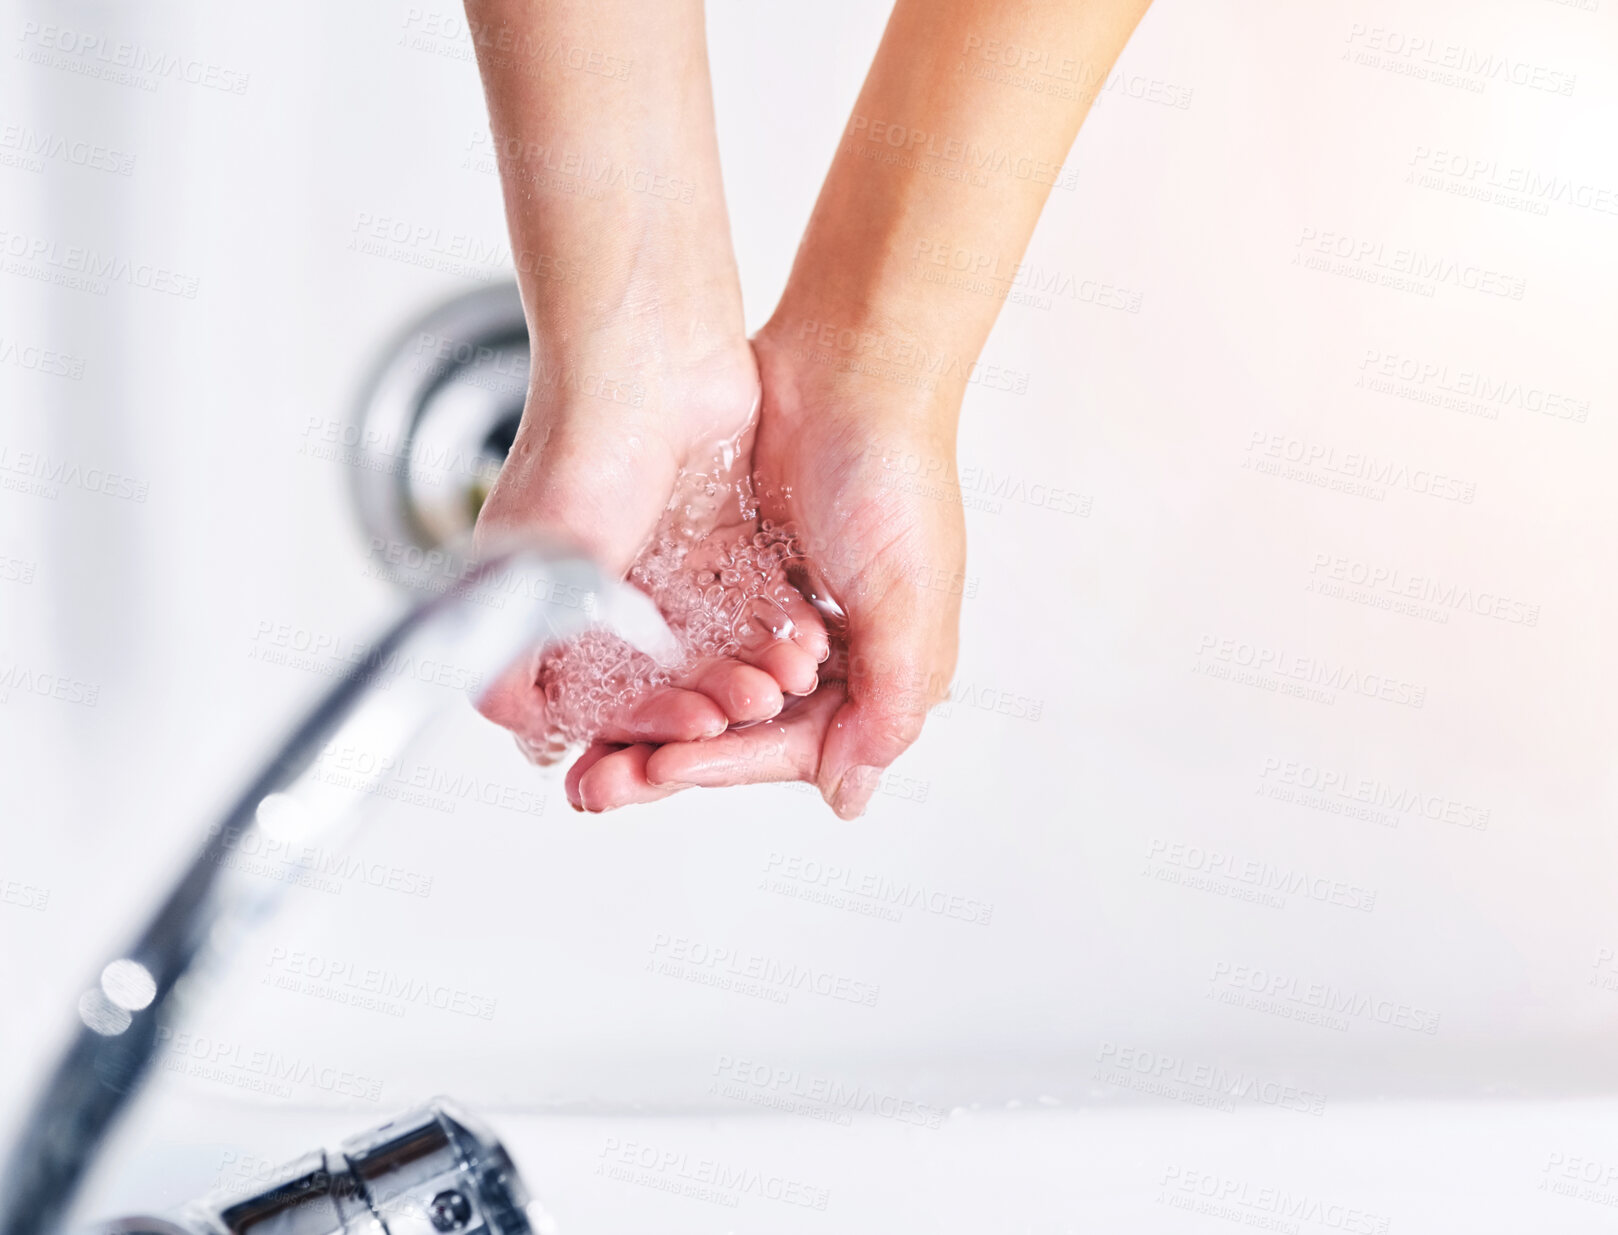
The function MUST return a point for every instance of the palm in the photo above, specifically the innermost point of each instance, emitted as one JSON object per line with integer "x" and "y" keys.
{"x": 876, "y": 515}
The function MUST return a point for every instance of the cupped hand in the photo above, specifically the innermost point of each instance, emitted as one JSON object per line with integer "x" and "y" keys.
{"x": 653, "y": 483}
{"x": 862, "y": 466}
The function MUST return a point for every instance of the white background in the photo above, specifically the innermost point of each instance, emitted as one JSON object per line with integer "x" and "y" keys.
{"x": 1115, "y": 638}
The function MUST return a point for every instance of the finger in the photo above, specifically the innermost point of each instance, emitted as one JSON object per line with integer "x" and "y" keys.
{"x": 901, "y": 658}
{"x": 593, "y": 754}
{"x": 808, "y": 627}
{"x": 791, "y": 667}
{"x": 619, "y": 779}
{"x": 744, "y": 694}
{"x": 669, "y": 714}
{"x": 784, "y": 749}
{"x": 783, "y": 657}
{"x": 780, "y": 616}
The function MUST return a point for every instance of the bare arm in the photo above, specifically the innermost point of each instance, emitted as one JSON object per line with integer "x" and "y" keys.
{"x": 942, "y": 161}
{"x": 602, "y": 119}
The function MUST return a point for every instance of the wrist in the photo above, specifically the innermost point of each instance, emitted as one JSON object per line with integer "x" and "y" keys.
{"x": 653, "y": 315}
{"x": 620, "y": 275}
{"x": 678, "y": 392}
{"x": 865, "y": 357}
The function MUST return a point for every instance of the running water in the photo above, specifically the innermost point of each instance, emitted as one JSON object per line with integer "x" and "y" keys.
{"x": 718, "y": 574}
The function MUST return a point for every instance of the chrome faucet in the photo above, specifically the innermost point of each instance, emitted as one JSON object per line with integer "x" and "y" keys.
{"x": 492, "y": 614}
{"x": 429, "y": 1172}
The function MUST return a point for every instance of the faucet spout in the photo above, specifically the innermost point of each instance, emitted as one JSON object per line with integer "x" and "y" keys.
{"x": 496, "y": 611}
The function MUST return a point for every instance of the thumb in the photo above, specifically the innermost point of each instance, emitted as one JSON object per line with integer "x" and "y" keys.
{"x": 512, "y": 702}
{"x": 901, "y": 655}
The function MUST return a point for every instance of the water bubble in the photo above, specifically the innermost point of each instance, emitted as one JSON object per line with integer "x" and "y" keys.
{"x": 738, "y": 595}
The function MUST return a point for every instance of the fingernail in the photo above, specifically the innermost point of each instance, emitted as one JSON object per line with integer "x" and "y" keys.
{"x": 854, "y": 791}
{"x": 825, "y": 655}
{"x": 804, "y": 694}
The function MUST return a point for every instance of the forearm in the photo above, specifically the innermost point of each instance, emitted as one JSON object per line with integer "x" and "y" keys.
{"x": 602, "y": 119}
{"x": 940, "y": 177}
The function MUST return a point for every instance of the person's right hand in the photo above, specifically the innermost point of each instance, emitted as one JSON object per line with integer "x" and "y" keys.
{"x": 592, "y": 471}
{"x": 621, "y": 243}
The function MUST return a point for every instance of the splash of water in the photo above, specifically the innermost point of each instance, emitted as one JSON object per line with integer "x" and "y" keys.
{"x": 719, "y": 575}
